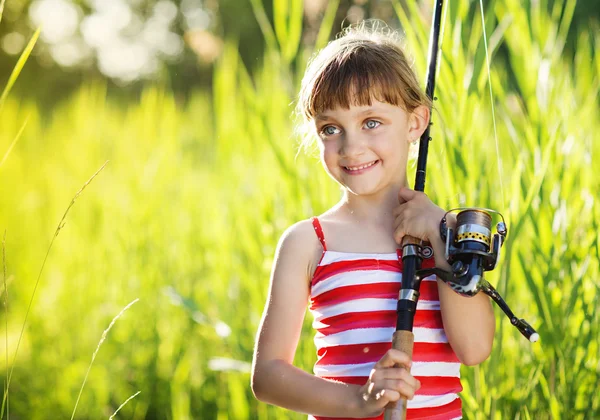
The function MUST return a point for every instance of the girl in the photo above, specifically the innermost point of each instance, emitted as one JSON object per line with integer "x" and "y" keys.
{"x": 364, "y": 104}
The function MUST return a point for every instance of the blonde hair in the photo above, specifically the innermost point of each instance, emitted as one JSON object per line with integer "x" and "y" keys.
{"x": 365, "y": 61}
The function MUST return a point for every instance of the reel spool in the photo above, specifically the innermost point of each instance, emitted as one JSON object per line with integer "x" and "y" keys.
{"x": 471, "y": 249}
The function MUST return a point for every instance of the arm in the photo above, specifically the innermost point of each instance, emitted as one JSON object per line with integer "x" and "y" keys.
{"x": 468, "y": 321}
{"x": 274, "y": 378}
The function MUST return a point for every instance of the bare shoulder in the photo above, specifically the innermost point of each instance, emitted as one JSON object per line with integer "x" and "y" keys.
{"x": 302, "y": 231}
{"x": 288, "y": 294}
{"x": 301, "y": 244}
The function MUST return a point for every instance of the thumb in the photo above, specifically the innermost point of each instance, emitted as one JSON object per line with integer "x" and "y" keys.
{"x": 406, "y": 194}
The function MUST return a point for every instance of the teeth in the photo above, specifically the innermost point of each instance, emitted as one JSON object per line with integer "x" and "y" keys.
{"x": 358, "y": 168}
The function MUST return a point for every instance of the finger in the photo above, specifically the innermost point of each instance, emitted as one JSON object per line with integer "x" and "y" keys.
{"x": 399, "y": 219}
{"x": 406, "y": 390}
{"x": 406, "y": 194}
{"x": 392, "y": 357}
{"x": 382, "y": 396}
{"x": 390, "y": 395}
{"x": 371, "y": 386}
{"x": 410, "y": 380}
{"x": 399, "y": 209}
{"x": 406, "y": 386}
{"x": 394, "y": 378}
{"x": 393, "y": 388}
{"x": 400, "y": 233}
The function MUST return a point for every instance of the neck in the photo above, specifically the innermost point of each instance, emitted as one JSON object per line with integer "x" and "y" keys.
{"x": 376, "y": 208}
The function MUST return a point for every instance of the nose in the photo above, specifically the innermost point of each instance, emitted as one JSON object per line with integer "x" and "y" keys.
{"x": 353, "y": 144}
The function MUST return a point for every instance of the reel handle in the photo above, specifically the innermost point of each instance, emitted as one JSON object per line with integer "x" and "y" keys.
{"x": 522, "y": 325}
{"x": 483, "y": 286}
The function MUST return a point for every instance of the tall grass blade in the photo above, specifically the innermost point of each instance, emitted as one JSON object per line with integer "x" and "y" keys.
{"x": 565, "y": 25}
{"x": 280, "y": 18}
{"x": 327, "y": 24}
{"x": 104, "y": 334}
{"x": 61, "y": 224}
{"x": 19, "y": 66}
{"x": 123, "y": 405}
{"x": 263, "y": 22}
{"x": 5, "y": 313}
{"x": 1, "y": 9}
{"x": 15, "y": 140}
{"x": 294, "y": 30}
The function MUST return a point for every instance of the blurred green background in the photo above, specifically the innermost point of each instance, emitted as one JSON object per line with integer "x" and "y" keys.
{"x": 190, "y": 102}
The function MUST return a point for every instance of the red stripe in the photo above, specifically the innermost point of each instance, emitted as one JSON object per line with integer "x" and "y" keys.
{"x": 325, "y": 271}
{"x": 444, "y": 412}
{"x": 428, "y": 291}
{"x": 352, "y": 353}
{"x": 434, "y": 352}
{"x": 439, "y": 385}
{"x": 357, "y": 291}
{"x": 377, "y": 319}
{"x": 356, "y": 320}
{"x": 370, "y": 353}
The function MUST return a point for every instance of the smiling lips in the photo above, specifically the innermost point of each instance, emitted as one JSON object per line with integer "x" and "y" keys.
{"x": 355, "y": 170}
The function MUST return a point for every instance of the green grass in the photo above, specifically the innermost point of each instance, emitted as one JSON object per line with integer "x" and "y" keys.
{"x": 187, "y": 214}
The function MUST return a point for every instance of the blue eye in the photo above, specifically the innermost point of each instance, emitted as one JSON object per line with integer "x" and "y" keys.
{"x": 371, "y": 124}
{"x": 330, "y": 130}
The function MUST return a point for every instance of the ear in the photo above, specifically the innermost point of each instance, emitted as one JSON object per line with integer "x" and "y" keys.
{"x": 417, "y": 122}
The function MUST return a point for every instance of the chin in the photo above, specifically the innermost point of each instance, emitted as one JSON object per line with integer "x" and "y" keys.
{"x": 362, "y": 191}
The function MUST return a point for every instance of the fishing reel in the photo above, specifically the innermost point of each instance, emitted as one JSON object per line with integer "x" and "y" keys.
{"x": 471, "y": 249}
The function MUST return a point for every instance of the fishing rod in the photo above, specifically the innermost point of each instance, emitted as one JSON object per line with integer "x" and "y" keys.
{"x": 470, "y": 247}
{"x": 412, "y": 248}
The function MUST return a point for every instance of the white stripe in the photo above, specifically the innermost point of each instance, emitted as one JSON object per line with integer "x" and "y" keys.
{"x": 430, "y": 335}
{"x": 357, "y": 336}
{"x": 448, "y": 369}
{"x": 357, "y": 305}
{"x": 335, "y": 256}
{"x": 354, "y": 278}
{"x": 364, "y": 369}
{"x": 376, "y": 335}
{"x": 367, "y": 305}
{"x": 359, "y": 277}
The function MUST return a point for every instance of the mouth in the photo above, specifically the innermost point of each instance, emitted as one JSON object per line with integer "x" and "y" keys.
{"x": 360, "y": 168}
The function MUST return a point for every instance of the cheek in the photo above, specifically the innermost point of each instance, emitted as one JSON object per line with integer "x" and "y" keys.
{"x": 392, "y": 150}
{"x": 327, "y": 151}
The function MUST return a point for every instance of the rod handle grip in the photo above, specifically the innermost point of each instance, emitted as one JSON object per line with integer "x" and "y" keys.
{"x": 403, "y": 341}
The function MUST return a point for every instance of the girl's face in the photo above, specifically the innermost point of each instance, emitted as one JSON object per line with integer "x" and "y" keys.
{"x": 365, "y": 148}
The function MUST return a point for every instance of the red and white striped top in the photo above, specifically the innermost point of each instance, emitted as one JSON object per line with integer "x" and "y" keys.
{"x": 353, "y": 299}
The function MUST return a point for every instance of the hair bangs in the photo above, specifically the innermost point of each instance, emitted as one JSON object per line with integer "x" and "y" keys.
{"x": 355, "y": 79}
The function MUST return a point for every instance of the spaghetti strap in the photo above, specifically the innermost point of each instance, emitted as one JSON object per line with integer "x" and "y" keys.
{"x": 319, "y": 230}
